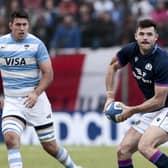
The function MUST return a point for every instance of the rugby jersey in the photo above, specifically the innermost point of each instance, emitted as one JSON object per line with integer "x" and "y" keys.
{"x": 19, "y": 64}
{"x": 149, "y": 70}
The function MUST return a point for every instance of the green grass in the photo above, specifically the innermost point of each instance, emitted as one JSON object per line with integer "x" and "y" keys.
{"x": 88, "y": 157}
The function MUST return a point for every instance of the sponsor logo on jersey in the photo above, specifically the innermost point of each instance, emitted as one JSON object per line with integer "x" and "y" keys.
{"x": 26, "y": 46}
{"x": 15, "y": 61}
{"x": 139, "y": 75}
{"x": 136, "y": 59}
{"x": 144, "y": 74}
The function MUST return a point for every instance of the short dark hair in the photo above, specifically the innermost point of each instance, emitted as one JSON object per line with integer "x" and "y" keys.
{"x": 19, "y": 14}
{"x": 144, "y": 23}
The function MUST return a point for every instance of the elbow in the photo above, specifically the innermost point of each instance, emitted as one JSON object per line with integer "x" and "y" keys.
{"x": 111, "y": 70}
{"x": 162, "y": 104}
{"x": 51, "y": 77}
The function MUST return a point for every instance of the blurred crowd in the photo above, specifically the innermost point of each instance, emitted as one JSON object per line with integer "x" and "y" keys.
{"x": 87, "y": 23}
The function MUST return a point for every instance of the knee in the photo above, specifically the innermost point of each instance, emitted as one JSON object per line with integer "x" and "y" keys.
{"x": 124, "y": 151}
{"x": 11, "y": 140}
{"x": 143, "y": 147}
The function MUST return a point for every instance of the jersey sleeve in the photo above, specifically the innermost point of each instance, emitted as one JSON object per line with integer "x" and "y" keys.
{"x": 124, "y": 55}
{"x": 161, "y": 75}
{"x": 42, "y": 53}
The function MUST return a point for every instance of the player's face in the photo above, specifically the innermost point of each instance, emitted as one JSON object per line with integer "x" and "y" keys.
{"x": 19, "y": 28}
{"x": 146, "y": 38}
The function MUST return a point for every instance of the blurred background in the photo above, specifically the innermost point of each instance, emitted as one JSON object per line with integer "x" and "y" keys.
{"x": 82, "y": 36}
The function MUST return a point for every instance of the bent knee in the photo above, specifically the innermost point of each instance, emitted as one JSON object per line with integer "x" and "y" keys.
{"x": 11, "y": 140}
{"x": 143, "y": 147}
{"x": 124, "y": 151}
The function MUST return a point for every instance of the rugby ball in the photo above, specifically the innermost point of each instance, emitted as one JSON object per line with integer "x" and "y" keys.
{"x": 112, "y": 110}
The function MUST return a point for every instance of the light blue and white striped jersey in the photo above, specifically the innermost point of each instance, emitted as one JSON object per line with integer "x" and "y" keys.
{"x": 19, "y": 64}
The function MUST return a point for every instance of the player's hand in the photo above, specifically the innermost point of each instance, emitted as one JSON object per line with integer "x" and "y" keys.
{"x": 108, "y": 101}
{"x": 30, "y": 100}
{"x": 110, "y": 98}
{"x": 126, "y": 113}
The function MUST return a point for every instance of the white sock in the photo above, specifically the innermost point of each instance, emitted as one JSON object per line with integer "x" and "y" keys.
{"x": 65, "y": 158}
{"x": 14, "y": 158}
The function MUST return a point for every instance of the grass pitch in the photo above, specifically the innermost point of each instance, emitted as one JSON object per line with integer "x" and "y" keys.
{"x": 88, "y": 157}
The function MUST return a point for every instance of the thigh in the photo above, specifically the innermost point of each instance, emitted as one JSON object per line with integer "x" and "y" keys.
{"x": 41, "y": 113}
{"x": 13, "y": 107}
{"x": 154, "y": 136}
{"x": 161, "y": 120}
{"x": 142, "y": 122}
{"x": 12, "y": 129}
{"x": 151, "y": 139}
{"x": 13, "y": 120}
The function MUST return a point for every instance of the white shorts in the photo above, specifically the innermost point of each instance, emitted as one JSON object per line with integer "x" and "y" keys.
{"x": 158, "y": 118}
{"x": 40, "y": 114}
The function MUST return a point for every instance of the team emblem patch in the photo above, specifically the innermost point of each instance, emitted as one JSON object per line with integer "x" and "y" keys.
{"x": 148, "y": 67}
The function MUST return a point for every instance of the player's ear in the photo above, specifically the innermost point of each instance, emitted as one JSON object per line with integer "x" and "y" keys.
{"x": 135, "y": 36}
{"x": 10, "y": 25}
{"x": 157, "y": 36}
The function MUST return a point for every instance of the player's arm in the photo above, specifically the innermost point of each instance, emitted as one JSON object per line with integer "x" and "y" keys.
{"x": 150, "y": 105}
{"x": 109, "y": 80}
{"x": 46, "y": 79}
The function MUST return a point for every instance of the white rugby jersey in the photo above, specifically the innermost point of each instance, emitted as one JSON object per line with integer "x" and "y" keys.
{"x": 19, "y": 64}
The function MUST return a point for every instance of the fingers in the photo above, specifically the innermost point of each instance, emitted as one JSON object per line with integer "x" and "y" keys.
{"x": 108, "y": 101}
{"x": 122, "y": 117}
{"x": 29, "y": 101}
{"x": 118, "y": 118}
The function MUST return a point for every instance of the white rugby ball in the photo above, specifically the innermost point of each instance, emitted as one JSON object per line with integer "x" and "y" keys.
{"x": 112, "y": 110}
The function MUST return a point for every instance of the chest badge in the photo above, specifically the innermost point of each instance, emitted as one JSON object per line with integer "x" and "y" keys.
{"x": 148, "y": 67}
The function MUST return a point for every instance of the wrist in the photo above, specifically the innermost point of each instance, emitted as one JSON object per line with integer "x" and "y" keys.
{"x": 36, "y": 92}
{"x": 132, "y": 111}
{"x": 109, "y": 100}
{"x": 110, "y": 94}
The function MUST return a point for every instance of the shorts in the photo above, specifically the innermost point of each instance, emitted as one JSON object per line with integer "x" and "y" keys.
{"x": 158, "y": 118}
{"x": 40, "y": 114}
